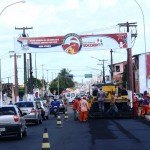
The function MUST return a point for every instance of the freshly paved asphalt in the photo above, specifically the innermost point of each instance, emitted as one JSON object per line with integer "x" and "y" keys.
{"x": 96, "y": 134}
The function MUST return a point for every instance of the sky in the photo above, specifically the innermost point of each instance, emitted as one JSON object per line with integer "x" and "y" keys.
{"x": 60, "y": 17}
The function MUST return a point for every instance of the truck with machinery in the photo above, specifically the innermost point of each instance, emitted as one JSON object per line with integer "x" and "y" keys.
{"x": 123, "y": 103}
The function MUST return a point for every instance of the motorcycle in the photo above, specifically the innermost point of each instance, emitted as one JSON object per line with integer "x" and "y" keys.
{"x": 55, "y": 111}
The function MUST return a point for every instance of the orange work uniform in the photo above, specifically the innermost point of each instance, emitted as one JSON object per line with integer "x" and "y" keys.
{"x": 145, "y": 107}
{"x": 135, "y": 107}
{"x": 83, "y": 110}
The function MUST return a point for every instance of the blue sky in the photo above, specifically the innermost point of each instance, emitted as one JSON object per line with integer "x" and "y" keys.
{"x": 60, "y": 17}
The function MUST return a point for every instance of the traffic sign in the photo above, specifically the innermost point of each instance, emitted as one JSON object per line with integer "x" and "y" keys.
{"x": 88, "y": 75}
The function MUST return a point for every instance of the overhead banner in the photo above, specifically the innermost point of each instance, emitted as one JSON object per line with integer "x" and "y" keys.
{"x": 72, "y": 43}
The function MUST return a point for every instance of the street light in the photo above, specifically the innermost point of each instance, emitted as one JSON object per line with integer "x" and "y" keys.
{"x": 23, "y": 1}
{"x": 11, "y": 5}
{"x": 144, "y": 37}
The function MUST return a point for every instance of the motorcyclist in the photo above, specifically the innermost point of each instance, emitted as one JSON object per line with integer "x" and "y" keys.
{"x": 55, "y": 104}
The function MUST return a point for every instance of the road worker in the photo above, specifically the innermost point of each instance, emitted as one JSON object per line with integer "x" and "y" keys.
{"x": 84, "y": 109}
{"x": 135, "y": 107}
{"x": 145, "y": 105}
{"x": 75, "y": 107}
{"x": 113, "y": 110}
{"x": 100, "y": 97}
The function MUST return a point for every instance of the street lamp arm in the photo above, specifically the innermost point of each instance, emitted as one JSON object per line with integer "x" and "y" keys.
{"x": 143, "y": 23}
{"x": 11, "y": 5}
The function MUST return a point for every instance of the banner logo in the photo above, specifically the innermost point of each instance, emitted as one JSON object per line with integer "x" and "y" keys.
{"x": 71, "y": 43}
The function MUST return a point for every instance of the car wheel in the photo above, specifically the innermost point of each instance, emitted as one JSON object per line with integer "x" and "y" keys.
{"x": 47, "y": 117}
{"x": 19, "y": 135}
{"x": 37, "y": 122}
{"x": 25, "y": 132}
{"x": 40, "y": 121}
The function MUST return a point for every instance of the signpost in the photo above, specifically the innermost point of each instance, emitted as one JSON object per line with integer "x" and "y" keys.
{"x": 88, "y": 75}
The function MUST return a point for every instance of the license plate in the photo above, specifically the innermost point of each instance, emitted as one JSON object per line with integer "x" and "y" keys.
{"x": 2, "y": 129}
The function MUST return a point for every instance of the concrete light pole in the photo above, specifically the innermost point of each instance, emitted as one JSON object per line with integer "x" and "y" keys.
{"x": 23, "y": 1}
{"x": 144, "y": 38}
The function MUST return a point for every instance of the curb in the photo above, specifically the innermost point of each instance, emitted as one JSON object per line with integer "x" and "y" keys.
{"x": 147, "y": 117}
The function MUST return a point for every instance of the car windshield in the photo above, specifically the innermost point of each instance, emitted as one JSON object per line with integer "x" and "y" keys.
{"x": 7, "y": 111}
{"x": 24, "y": 104}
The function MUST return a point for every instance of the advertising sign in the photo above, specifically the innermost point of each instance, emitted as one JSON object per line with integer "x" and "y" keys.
{"x": 72, "y": 43}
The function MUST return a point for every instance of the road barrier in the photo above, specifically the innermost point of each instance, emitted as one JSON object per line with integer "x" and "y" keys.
{"x": 59, "y": 123}
{"x": 66, "y": 116}
{"x": 45, "y": 144}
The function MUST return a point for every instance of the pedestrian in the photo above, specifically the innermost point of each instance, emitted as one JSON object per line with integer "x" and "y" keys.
{"x": 10, "y": 103}
{"x": 145, "y": 105}
{"x": 135, "y": 107}
{"x": 75, "y": 107}
{"x": 100, "y": 97}
{"x": 113, "y": 110}
{"x": 84, "y": 109}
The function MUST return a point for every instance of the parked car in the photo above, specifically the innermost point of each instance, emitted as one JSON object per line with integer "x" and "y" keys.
{"x": 44, "y": 109}
{"x": 12, "y": 122}
{"x": 31, "y": 111}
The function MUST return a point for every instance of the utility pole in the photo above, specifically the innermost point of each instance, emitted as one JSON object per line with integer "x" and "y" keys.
{"x": 31, "y": 77}
{"x": 43, "y": 80}
{"x": 47, "y": 75}
{"x": 112, "y": 70}
{"x": 129, "y": 55}
{"x": 25, "y": 68}
{"x": 129, "y": 60}
{"x": 35, "y": 71}
{"x": 16, "y": 95}
{"x": 103, "y": 64}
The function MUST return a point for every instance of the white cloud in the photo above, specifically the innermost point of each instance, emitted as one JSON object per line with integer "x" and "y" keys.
{"x": 71, "y": 4}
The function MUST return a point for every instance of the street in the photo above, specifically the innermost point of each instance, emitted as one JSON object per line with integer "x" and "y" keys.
{"x": 96, "y": 134}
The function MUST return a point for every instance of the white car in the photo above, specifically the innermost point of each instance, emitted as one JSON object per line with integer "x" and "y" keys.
{"x": 12, "y": 122}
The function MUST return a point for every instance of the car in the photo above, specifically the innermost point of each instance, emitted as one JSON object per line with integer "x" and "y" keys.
{"x": 62, "y": 107}
{"x": 12, "y": 122}
{"x": 45, "y": 112}
{"x": 31, "y": 111}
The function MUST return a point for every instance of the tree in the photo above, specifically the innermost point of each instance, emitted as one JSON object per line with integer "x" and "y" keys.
{"x": 36, "y": 82}
{"x": 64, "y": 81}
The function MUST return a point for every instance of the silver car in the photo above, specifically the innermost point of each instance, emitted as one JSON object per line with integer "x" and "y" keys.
{"x": 12, "y": 122}
{"x": 31, "y": 111}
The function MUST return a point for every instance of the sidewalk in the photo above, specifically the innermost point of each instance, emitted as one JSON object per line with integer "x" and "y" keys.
{"x": 147, "y": 117}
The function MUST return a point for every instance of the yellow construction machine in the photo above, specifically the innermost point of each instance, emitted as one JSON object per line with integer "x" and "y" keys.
{"x": 122, "y": 103}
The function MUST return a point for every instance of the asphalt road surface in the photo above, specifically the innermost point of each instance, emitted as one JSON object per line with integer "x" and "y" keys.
{"x": 96, "y": 134}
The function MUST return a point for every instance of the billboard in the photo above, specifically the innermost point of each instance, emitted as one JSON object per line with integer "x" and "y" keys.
{"x": 72, "y": 43}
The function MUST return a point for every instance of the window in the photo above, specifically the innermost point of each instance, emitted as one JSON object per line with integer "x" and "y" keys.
{"x": 7, "y": 111}
{"x": 24, "y": 104}
{"x": 117, "y": 68}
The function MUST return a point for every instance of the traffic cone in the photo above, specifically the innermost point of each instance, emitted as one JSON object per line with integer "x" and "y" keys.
{"x": 59, "y": 123}
{"x": 45, "y": 144}
{"x": 66, "y": 116}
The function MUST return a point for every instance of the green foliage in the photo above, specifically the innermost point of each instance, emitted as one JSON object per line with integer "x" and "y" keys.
{"x": 64, "y": 82}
